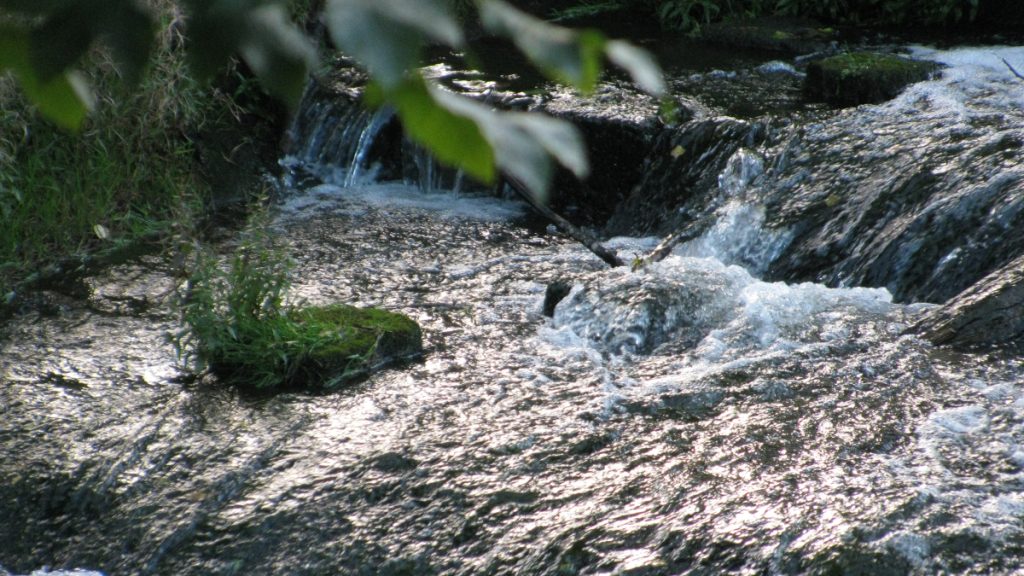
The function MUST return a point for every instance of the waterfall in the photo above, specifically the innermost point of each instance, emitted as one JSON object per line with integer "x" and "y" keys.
{"x": 338, "y": 141}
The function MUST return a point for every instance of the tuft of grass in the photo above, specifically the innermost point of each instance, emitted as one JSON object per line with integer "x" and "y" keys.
{"x": 235, "y": 322}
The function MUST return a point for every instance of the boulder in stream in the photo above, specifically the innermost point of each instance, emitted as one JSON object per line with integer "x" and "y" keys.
{"x": 858, "y": 78}
{"x": 989, "y": 313}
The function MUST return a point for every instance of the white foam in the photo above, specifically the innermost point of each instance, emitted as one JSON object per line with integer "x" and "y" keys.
{"x": 355, "y": 199}
{"x": 739, "y": 237}
{"x": 618, "y": 311}
{"x": 954, "y": 422}
{"x": 976, "y": 81}
{"x": 777, "y": 67}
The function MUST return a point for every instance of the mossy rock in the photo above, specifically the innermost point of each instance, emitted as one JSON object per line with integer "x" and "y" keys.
{"x": 319, "y": 347}
{"x": 863, "y": 77}
{"x": 371, "y": 337}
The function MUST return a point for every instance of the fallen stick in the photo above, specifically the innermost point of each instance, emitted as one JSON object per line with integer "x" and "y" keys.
{"x": 578, "y": 234}
{"x": 664, "y": 248}
{"x": 1012, "y": 69}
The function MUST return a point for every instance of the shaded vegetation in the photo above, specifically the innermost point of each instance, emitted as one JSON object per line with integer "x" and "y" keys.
{"x": 236, "y": 323}
{"x": 692, "y": 15}
{"x": 128, "y": 174}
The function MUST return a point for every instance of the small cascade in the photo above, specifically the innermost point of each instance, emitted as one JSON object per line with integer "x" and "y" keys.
{"x": 367, "y": 136}
{"x": 332, "y": 139}
{"x": 420, "y": 169}
{"x": 335, "y": 139}
{"x": 739, "y": 235}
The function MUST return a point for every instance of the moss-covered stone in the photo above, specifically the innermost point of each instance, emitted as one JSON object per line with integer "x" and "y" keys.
{"x": 370, "y": 339}
{"x": 863, "y": 77}
{"x": 320, "y": 347}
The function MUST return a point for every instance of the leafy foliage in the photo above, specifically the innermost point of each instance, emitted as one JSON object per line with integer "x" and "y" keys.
{"x": 130, "y": 170}
{"x": 45, "y": 40}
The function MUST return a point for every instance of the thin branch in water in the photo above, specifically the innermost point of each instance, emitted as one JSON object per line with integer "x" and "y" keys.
{"x": 1012, "y": 69}
{"x": 664, "y": 248}
{"x": 576, "y": 233}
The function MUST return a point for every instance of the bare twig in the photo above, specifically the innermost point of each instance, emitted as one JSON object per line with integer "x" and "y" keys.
{"x": 664, "y": 248}
{"x": 1012, "y": 69}
{"x": 576, "y": 233}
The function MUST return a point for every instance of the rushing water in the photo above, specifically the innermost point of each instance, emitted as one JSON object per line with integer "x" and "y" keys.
{"x": 683, "y": 418}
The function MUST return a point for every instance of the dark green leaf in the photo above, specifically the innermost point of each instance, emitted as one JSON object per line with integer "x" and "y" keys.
{"x": 66, "y": 99}
{"x": 14, "y": 48}
{"x": 453, "y": 138}
{"x": 34, "y": 7}
{"x": 63, "y": 38}
{"x": 129, "y": 31}
{"x": 640, "y": 65}
{"x": 63, "y": 99}
{"x": 386, "y": 35}
{"x": 523, "y": 143}
{"x": 277, "y": 52}
{"x": 563, "y": 54}
{"x": 214, "y": 32}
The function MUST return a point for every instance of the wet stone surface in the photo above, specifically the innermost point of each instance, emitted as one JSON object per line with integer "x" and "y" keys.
{"x": 802, "y": 434}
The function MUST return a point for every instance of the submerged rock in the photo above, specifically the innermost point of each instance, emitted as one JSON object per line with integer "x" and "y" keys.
{"x": 637, "y": 312}
{"x": 863, "y": 77}
{"x": 989, "y": 313}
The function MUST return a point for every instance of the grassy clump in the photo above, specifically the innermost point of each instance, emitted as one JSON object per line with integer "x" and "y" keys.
{"x": 236, "y": 323}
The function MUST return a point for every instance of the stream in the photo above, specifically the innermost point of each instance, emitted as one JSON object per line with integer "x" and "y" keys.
{"x": 696, "y": 416}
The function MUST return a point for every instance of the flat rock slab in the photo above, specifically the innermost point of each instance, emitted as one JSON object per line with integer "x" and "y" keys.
{"x": 858, "y": 78}
{"x": 988, "y": 314}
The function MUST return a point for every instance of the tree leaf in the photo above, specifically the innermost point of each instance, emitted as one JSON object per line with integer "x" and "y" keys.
{"x": 33, "y": 7}
{"x": 65, "y": 99}
{"x": 523, "y": 143}
{"x": 277, "y": 52}
{"x": 63, "y": 38}
{"x": 215, "y": 29}
{"x": 640, "y": 65}
{"x": 558, "y": 138}
{"x": 453, "y": 138}
{"x": 386, "y": 35}
{"x": 569, "y": 56}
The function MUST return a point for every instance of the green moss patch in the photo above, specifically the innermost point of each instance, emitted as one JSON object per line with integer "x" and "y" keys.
{"x": 369, "y": 336}
{"x": 316, "y": 347}
{"x": 863, "y": 77}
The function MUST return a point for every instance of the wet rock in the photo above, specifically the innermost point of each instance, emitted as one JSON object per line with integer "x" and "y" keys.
{"x": 555, "y": 293}
{"x": 394, "y": 462}
{"x": 619, "y": 125}
{"x": 990, "y": 313}
{"x": 634, "y": 313}
{"x": 680, "y": 174}
{"x": 863, "y": 77}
